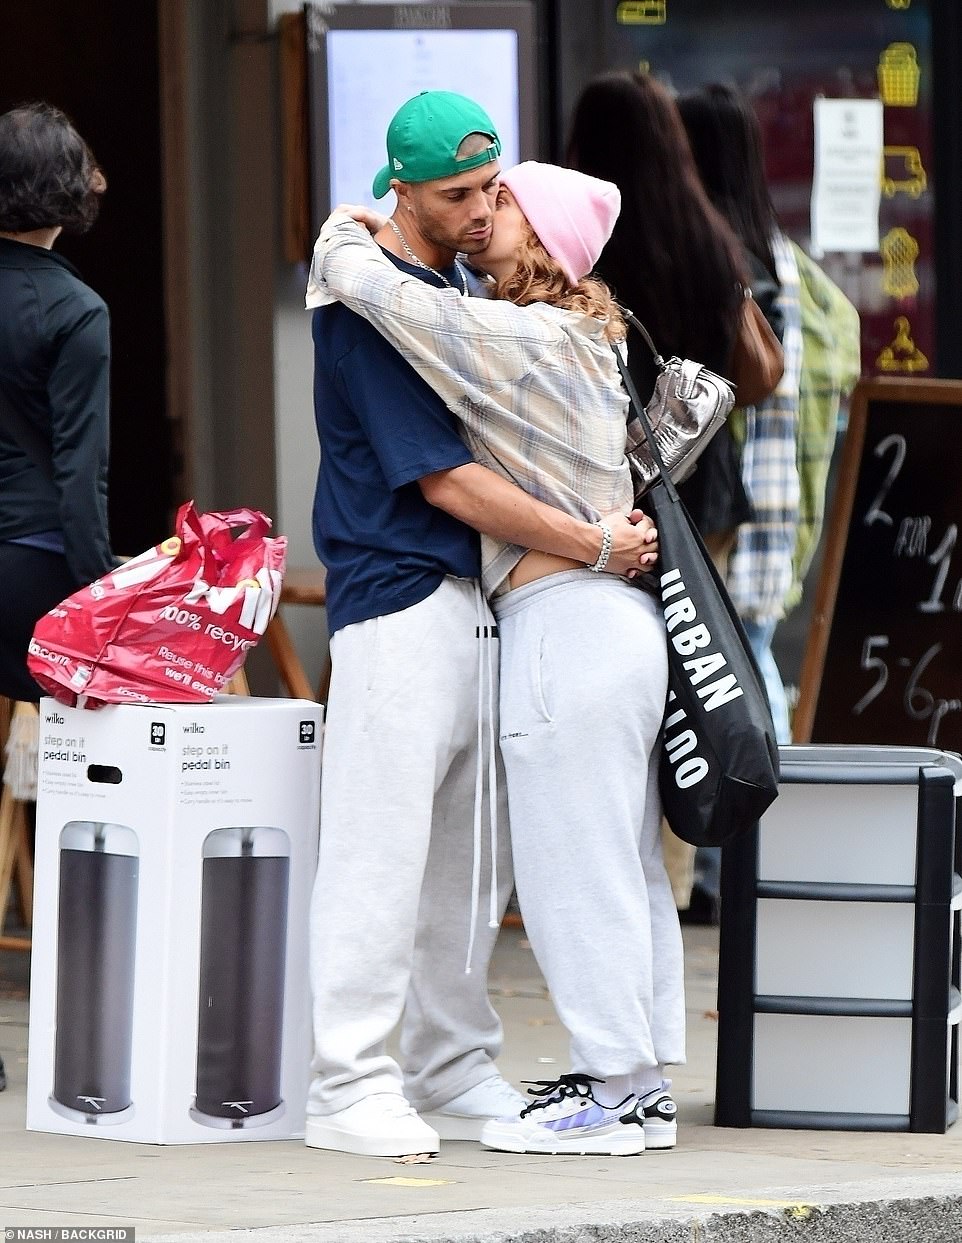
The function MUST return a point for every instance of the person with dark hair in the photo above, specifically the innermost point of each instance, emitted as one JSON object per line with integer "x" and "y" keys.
{"x": 531, "y": 374}
{"x": 726, "y": 141}
{"x": 672, "y": 259}
{"x": 54, "y": 383}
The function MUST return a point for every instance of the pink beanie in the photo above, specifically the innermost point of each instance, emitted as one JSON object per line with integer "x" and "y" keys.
{"x": 573, "y": 214}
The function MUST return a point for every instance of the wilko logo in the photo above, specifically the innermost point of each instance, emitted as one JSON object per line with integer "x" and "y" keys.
{"x": 158, "y": 733}
{"x": 306, "y": 731}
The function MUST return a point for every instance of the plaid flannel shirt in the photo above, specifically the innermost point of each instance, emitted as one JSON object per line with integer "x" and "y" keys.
{"x": 831, "y": 362}
{"x": 536, "y": 388}
{"x": 760, "y": 569}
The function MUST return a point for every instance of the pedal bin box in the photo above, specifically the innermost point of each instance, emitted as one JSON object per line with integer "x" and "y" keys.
{"x": 175, "y": 855}
{"x": 839, "y": 989}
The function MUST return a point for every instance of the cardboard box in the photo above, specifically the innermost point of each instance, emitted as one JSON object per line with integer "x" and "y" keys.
{"x": 175, "y": 856}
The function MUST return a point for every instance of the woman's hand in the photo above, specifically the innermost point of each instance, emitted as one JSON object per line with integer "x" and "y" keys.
{"x": 634, "y": 544}
{"x": 372, "y": 220}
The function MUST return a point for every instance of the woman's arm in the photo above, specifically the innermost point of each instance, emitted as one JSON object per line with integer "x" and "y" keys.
{"x": 462, "y": 346}
{"x": 495, "y": 506}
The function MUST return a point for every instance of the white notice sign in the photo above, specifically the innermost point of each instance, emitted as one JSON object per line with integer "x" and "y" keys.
{"x": 847, "y": 181}
{"x": 372, "y": 72}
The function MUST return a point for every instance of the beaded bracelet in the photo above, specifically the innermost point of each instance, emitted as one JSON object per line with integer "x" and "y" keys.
{"x": 605, "y": 553}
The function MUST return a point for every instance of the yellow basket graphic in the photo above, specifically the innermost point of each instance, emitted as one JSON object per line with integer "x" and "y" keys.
{"x": 898, "y": 76}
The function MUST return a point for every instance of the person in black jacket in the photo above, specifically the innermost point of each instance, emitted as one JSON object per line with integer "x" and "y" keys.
{"x": 54, "y": 381}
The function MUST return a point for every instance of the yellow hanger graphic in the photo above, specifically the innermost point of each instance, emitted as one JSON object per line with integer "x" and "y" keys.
{"x": 902, "y": 354}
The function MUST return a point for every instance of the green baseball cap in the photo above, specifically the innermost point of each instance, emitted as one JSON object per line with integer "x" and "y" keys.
{"x": 424, "y": 136}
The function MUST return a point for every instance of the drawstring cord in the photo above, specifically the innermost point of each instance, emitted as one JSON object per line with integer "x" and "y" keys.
{"x": 485, "y": 684}
{"x": 478, "y": 796}
{"x": 493, "y": 912}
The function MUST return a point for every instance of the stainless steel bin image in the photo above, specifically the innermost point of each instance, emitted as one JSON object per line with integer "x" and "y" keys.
{"x": 96, "y": 938}
{"x": 244, "y": 903}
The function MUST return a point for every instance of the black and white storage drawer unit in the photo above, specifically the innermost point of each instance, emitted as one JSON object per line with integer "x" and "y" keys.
{"x": 839, "y": 985}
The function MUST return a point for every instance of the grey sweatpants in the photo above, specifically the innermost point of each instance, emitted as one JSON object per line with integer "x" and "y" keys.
{"x": 583, "y": 682}
{"x": 390, "y": 914}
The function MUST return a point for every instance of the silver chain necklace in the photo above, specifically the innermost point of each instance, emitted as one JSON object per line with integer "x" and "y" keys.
{"x": 426, "y": 266}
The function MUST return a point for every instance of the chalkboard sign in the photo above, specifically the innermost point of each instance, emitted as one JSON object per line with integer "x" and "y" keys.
{"x": 884, "y": 657}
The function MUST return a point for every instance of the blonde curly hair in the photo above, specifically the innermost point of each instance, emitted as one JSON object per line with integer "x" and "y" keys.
{"x": 539, "y": 278}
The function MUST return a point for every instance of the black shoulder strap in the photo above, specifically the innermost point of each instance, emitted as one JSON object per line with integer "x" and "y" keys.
{"x": 636, "y": 323}
{"x": 27, "y": 437}
{"x": 635, "y": 406}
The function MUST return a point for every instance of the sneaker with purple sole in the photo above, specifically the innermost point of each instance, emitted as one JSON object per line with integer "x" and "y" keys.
{"x": 565, "y": 1117}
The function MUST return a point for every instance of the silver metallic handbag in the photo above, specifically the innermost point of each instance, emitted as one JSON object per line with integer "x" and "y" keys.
{"x": 688, "y": 406}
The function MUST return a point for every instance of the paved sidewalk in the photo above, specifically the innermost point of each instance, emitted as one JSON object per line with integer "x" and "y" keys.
{"x": 717, "y": 1185}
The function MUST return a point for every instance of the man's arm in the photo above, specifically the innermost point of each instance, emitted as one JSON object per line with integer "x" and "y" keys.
{"x": 495, "y": 506}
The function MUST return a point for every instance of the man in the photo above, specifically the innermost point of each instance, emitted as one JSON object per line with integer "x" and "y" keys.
{"x": 408, "y": 801}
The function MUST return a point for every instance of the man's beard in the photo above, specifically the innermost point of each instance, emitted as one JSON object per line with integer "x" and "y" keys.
{"x": 457, "y": 245}
{"x": 473, "y": 246}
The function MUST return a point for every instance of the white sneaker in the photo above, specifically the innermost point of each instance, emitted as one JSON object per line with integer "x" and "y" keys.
{"x": 660, "y": 1114}
{"x": 380, "y": 1125}
{"x": 465, "y": 1115}
{"x": 565, "y": 1117}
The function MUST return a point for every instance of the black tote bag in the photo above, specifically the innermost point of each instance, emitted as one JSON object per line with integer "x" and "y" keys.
{"x": 719, "y": 762}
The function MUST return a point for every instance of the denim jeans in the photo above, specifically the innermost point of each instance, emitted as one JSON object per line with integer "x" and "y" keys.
{"x": 760, "y": 634}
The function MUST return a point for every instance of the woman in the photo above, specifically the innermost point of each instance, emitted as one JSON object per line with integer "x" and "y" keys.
{"x": 672, "y": 259}
{"x": 54, "y": 379}
{"x": 676, "y": 263}
{"x": 532, "y": 375}
{"x": 726, "y": 140}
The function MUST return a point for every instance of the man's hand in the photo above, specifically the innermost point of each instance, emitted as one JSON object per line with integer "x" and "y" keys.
{"x": 634, "y": 544}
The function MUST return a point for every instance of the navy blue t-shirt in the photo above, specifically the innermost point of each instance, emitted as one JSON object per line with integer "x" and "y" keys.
{"x": 381, "y": 429}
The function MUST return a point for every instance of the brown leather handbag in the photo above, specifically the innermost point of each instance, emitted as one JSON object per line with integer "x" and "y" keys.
{"x": 757, "y": 360}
